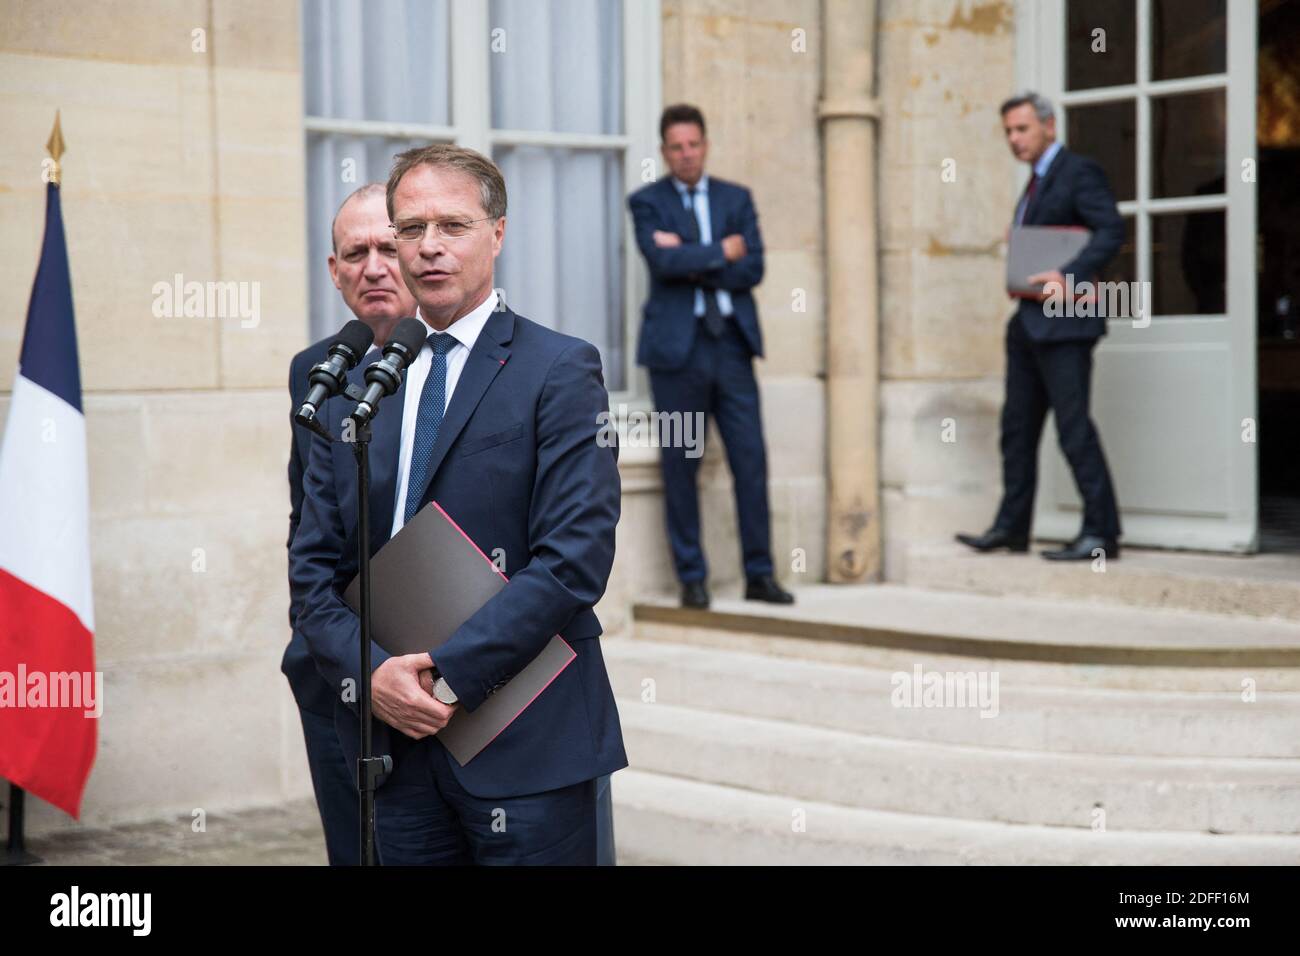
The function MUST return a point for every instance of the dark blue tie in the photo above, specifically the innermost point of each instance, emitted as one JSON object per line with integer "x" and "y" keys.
{"x": 714, "y": 323}
{"x": 433, "y": 400}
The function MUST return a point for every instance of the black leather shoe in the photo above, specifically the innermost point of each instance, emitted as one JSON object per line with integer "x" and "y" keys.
{"x": 1082, "y": 548}
{"x": 993, "y": 539}
{"x": 765, "y": 588}
{"x": 695, "y": 594}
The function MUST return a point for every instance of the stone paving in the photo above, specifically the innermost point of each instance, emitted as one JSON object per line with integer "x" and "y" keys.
{"x": 288, "y": 834}
{"x": 285, "y": 835}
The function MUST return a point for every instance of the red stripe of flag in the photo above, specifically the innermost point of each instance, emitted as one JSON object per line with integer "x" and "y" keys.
{"x": 47, "y": 750}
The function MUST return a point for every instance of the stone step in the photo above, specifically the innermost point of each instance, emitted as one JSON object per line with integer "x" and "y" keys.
{"x": 670, "y": 820}
{"x": 1064, "y": 643}
{"x": 1029, "y": 714}
{"x": 1258, "y": 585}
{"x": 1218, "y": 795}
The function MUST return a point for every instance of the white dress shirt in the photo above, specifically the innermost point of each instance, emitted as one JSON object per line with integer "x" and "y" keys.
{"x": 465, "y": 331}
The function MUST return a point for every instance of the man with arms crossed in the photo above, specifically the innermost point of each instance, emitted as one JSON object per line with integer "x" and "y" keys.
{"x": 699, "y": 337}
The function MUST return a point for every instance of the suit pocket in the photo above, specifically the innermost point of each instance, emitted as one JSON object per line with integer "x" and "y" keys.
{"x": 475, "y": 445}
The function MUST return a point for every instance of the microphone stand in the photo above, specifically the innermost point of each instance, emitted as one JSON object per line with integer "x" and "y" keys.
{"x": 369, "y": 766}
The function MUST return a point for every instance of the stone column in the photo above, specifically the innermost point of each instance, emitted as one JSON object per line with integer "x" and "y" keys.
{"x": 848, "y": 113}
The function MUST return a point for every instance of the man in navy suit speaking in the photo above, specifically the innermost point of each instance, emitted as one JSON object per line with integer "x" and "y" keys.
{"x": 699, "y": 336}
{"x": 497, "y": 420}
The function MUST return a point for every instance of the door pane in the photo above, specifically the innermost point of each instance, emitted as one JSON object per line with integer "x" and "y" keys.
{"x": 376, "y": 60}
{"x": 1188, "y": 38}
{"x": 1187, "y": 263}
{"x": 557, "y": 66}
{"x": 1107, "y": 132}
{"x": 562, "y": 262}
{"x": 1123, "y": 268}
{"x": 1101, "y": 43}
{"x": 1187, "y": 144}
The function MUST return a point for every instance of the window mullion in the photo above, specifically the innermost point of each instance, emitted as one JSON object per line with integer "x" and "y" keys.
{"x": 642, "y": 101}
{"x": 471, "y": 75}
{"x": 1143, "y": 223}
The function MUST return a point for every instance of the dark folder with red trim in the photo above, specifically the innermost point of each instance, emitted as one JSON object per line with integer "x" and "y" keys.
{"x": 427, "y": 581}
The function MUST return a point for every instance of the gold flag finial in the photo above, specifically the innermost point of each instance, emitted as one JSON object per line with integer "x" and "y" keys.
{"x": 55, "y": 148}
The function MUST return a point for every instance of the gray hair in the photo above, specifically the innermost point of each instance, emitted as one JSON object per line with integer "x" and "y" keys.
{"x": 1041, "y": 104}
{"x": 369, "y": 189}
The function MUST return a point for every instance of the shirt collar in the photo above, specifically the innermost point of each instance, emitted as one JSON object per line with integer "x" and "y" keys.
{"x": 1045, "y": 161}
{"x": 466, "y": 329}
{"x": 701, "y": 188}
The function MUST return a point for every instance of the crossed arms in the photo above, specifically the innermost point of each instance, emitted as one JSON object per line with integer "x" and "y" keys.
{"x": 735, "y": 264}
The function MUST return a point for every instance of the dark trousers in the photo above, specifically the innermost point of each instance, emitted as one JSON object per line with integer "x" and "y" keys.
{"x": 333, "y": 776}
{"x": 1055, "y": 375}
{"x": 423, "y": 817}
{"x": 334, "y": 781}
{"x": 605, "y": 853}
{"x": 718, "y": 380}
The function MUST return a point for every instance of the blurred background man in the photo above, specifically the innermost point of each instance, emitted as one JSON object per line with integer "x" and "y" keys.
{"x": 699, "y": 336}
{"x": 1049, "y": 358}
{"x": 363, "y": 265}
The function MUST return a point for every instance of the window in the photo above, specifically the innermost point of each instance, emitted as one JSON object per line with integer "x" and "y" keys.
{"x": 563, "y": 95}
{"x": 1146, "y": 96}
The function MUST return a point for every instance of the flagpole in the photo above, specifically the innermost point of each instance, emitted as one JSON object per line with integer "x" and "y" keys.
{"x": 15, "y": 844}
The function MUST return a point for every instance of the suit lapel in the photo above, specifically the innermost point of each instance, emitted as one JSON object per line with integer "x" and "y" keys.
{"x": 482, "y": 364}
{"x": 1041, "y": 190}
{"x": 715, "y": 213}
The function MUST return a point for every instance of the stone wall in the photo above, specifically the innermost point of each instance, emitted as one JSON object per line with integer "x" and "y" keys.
{"x": 944, "y": 66}
{"x": 184, "y": 156}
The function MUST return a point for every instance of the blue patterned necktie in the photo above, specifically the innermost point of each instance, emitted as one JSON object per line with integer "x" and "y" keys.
{"x": 433, "y": 401}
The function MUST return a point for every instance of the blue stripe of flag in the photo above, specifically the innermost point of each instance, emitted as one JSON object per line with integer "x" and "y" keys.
{"x": 49, "y": 355}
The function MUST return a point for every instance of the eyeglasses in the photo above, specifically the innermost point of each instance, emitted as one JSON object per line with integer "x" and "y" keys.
{"x": 413, "y": 230}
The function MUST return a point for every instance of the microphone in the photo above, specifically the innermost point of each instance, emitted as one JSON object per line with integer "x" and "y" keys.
{"x": 327, "y": 377}
{"x": 385, "y": 376}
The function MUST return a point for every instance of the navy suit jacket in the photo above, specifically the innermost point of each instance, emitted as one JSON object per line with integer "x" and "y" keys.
{"x": 1073, "y": 192}
{"x": 310, "y": 690}
{"x": 517, "y": 465}
{"x": 669, "y": 324}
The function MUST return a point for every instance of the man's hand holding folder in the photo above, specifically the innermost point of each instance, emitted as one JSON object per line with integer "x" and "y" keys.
{"x": 402, "y": 696}
{"x": 1052, "y": 281}
{"x": 427, "y": 582}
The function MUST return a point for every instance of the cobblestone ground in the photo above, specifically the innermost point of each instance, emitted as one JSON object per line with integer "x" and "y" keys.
{"x": 288, "y": 834}
{"x": 284, "y": 835}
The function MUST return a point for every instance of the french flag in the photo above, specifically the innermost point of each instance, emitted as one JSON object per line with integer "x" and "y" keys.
{"x": 47, "y": 622}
